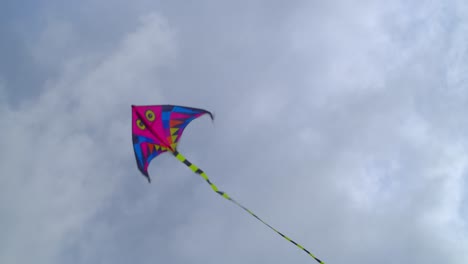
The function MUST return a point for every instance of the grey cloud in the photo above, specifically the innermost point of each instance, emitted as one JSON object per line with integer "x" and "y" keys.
{"x": 59, "y": 171}
{"x": 341, "y": 125}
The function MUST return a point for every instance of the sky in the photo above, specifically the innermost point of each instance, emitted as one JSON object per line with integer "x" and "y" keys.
{"x": 341, "y": 123}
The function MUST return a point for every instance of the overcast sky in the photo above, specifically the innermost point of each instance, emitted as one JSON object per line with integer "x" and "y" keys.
{"x": 342, "y": 123}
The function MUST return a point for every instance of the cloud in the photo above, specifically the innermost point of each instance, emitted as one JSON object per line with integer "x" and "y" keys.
{"x": 60, "y": 167}
{"x": 340, "y": 124}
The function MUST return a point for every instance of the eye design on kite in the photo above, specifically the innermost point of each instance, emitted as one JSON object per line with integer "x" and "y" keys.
{"x": 140, "y": 124}
{"x": 150, "y": 115}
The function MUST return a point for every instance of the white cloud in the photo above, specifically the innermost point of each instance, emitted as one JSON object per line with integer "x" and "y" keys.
{"x": 343, "y": 125}
{"x": 60, "y": 151}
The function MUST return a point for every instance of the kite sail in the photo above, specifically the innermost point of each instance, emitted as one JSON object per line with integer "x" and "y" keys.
{"x": 158, "y": 128}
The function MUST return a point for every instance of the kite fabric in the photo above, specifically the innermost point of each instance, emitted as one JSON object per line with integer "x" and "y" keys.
{"x": 158, "y": 128}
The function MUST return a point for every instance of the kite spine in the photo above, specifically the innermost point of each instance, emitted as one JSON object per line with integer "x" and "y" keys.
{"x": 198, "y": 171}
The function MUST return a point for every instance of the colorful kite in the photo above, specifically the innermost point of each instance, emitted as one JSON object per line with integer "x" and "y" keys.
{"x": 158, "y": 128}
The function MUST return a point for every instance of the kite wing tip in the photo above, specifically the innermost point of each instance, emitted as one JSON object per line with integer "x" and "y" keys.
{"x": 212, "y": 116}
{"x": 146, "y": 174}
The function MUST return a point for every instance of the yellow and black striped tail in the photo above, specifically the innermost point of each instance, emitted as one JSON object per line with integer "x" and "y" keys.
{"x": 223, "y": 194}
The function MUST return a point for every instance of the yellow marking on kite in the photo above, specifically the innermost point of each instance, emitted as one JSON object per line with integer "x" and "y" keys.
{"x": 150, "y": 115}
{"x": 174, "y": 130}
{"x": 180, "y": 157}
{"x": 140, "y": 124}
{"x": 214, "y": 187}
{"x": 203, "y": 174}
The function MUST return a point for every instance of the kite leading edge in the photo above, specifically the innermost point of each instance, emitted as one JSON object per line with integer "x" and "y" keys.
{"x": 157, "y": 129}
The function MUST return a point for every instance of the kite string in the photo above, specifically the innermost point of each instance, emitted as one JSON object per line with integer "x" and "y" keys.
{"x": 198, "y": 171}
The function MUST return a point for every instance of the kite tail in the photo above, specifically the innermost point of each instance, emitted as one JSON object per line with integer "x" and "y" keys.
{"x": 226, "y": 196}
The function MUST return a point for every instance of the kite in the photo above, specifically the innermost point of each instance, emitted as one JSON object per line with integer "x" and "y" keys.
{"x": 158, "y": 128}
